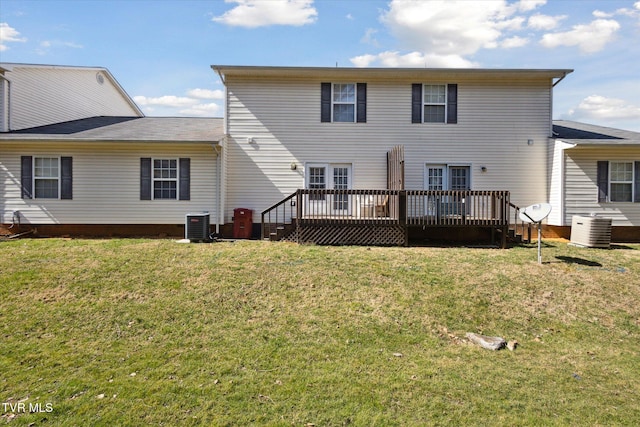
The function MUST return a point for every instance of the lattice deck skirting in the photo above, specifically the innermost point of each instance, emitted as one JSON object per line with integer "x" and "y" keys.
{"x": 364, "y": 235}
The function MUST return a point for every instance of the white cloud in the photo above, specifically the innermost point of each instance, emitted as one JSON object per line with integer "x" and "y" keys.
{"x": 589, "y": 38}
{"x": 190, "y": 106}
{"x": 206, "y": 93}
{"x": 529, "y": 5}
{"x": 442, "y": 33}
{"x": 447, "y": 27}
{"x": 261, "y": 13}
{"x": 9, "y": 35}
{"x": 513, "y": 42}
{"x": 369, "y": 37}
{"x": 167, "y": 101}
{"x": 544, "y": 22}
{"x": 202, "y": 110}
{"x": 602, "y": 108}
{"x": 412, "y": 60}
{"x": 601, "y": 14}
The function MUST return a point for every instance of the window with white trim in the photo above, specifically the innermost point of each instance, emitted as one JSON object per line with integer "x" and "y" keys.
{"x": 46, "y": 177}
{"x": 435, "y": 103}
{"x": 344, "y": 102}
{"x": 165, "y": 179}
{"x": 621, "y": 181}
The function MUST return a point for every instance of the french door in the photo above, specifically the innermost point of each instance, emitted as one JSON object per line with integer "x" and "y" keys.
{"x": 446, "y": 177}
{"x": 334, "y": 176}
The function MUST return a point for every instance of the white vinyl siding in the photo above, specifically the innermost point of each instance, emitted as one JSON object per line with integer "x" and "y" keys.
{"x": 496, "y": 118}
{"x": 581, "y": 188}
{"x": 106, "y": 184}
{"x": 45, "y": 95}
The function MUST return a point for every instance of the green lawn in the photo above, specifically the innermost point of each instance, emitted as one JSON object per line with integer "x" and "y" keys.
{"x": 151, "y": 332}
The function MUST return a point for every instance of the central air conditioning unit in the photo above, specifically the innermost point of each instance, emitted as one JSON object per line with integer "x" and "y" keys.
{"x": 196, "y": 227}
{"x": 591, "y": 231}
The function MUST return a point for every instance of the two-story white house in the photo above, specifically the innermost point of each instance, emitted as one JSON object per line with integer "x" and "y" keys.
{"x": 331, "y": 128}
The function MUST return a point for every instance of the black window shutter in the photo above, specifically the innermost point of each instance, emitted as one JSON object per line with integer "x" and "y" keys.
{"x": 325, "y": 102}
{"x": 361, "y": 103}
{"x": 145, "y": 178}
{"x": 26, "y": 176}
{"x": 185, "y": 179}
{"x": 416, "y": 103}
{"x": 66, "y": 178}
{"x": 452, "y": 103}
{"x": 603, "y": 181}
{"x": 636, "y": 182}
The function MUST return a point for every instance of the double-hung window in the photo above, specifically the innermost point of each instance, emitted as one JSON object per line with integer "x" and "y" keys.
{"x": 343, "y": 102}
{"x": 621, "y": 181}
{"x": 434, "y": 103}
{"x": 46, "y": 177}
{"x": 618, "y": 181}
{"x": 165, "y": 178}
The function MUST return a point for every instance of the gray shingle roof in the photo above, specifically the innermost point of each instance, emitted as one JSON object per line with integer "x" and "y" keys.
{"x": 135, "y": 129}
{"x": 586, "y": 134}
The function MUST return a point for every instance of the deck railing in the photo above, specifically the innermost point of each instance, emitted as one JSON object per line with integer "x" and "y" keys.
{"x": 450, "y": 208}
{"x": 348, "y": 206}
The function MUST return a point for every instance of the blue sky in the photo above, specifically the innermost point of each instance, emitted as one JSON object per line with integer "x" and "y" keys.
{"x": 161, "y": 51}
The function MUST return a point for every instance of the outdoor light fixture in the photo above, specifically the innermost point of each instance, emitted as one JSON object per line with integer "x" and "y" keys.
{"x": 294, "y": 166}
{"x": 529, "y": 141}
{"x": 483, "y": 169}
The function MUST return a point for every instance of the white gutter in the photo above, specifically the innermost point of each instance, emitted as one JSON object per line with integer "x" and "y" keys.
{"x": 5, "y": 120}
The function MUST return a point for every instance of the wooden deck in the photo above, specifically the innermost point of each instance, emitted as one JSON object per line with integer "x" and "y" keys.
{"x": 381, "y": 217}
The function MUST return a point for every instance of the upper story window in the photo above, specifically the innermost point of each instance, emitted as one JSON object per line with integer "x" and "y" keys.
{"x": 618, "y": 181}
{"x": 343, "y": 102}
{"x": 434, "y": 103}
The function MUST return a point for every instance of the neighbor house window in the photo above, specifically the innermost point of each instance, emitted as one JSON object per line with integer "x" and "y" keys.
{"x": 46, "y": 175}
{"x": 621, "y": 181}
{"x": 434, "y": 103}
{"x": 618, "y": 181}
{"x": 343, "y": 102}
{"x": 165, "y": 179}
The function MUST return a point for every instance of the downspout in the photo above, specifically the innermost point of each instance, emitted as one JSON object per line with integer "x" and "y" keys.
{"x": 7, "y": 111}
{"x": 218, "y": 150}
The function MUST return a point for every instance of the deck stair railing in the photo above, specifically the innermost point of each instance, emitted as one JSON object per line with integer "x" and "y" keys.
{"x": 519, "y": 227}
{"x": 278, "y": 219}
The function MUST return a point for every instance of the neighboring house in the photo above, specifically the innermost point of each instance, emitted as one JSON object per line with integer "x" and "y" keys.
{"x": 595, "y": 171}
{"x": 82, "y": 158}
